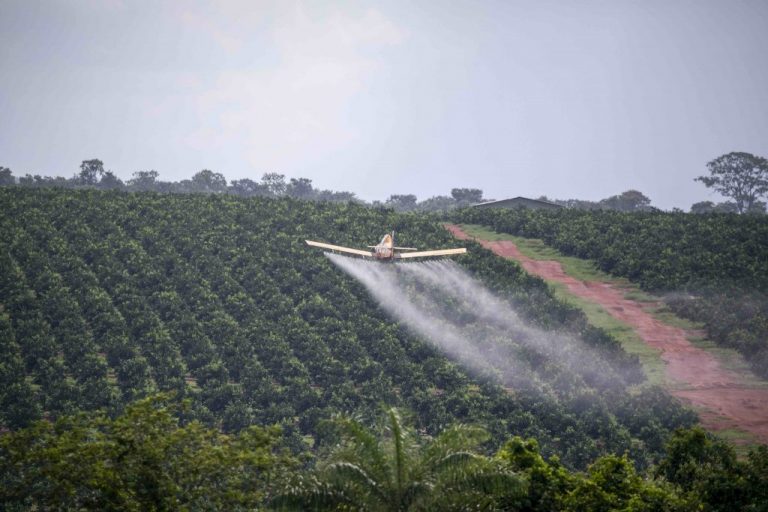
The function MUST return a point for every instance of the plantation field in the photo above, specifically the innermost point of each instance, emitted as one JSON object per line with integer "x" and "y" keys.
{"x": 191, "y": 351}
{"x": 108, "y": 297}
{"x": 714, "y": 380}
{"x": 710, "y": 269}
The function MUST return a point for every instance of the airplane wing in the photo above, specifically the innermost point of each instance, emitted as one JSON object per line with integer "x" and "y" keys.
{"x": 424, "y": 254}
{"x": 339, "y": 248}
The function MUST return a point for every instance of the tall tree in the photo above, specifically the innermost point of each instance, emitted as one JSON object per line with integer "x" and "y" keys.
{"x": 402, "y": 202}
{"x": 91, "y": 171}
{"x": 300, "y": 188}
{"x": 741, "y": 176}
{"x": 467, "y": 195}
{"x": 6, "y": 177}
{"x": 143, "y": 180}
{"x": 703, "y": 207}
{"x": 247, "y": 188}
{"x": 629, "y": 201}
{"x": 109, "y": 181}
{"x": 209, "y": 181}
{"x": 275, "y": 183}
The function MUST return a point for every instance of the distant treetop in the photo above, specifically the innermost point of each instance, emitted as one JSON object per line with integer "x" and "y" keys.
{"x": 741, "y": 176}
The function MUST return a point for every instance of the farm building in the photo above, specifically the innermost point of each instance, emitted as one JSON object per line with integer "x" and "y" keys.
{"x": 518, "y": 202}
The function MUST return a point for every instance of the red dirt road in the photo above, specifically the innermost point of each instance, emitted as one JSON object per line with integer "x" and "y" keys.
{"x": 724, "y": 400}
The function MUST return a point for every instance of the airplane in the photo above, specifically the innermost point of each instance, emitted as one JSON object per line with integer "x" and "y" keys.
{"x": 387, "y": 251}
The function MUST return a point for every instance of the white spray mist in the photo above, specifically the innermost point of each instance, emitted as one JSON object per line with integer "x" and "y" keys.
{"x": 447, "y": 307}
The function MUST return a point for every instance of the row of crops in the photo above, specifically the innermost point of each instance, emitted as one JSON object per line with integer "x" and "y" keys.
{"x": 658, "y": 250}
{"x": 712, "y": 268}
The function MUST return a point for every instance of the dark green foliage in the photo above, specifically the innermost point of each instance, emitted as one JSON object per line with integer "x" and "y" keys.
{"x": 143, "y": 460}
{"x": 91, "y": 172}
{"x": 151, "y": 457}
{"x": 109, "y": 297}
{"x": 613, "y": 484}
{"x": 548, "y": 481}
{"x": 629, "y": 201}
{"x": 207, "y": 181}
{"x": 707, "y": 469}
{"x": 6, "y": 177}
{"x": 467, "y": 195}
{"x": 18, "y": 405}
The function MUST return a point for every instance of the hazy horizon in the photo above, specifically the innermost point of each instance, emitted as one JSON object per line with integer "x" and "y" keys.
{"x": 519, "y": 98}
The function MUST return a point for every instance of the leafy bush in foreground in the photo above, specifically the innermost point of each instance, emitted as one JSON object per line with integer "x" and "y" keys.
{"x": 151, "y": 458}
{"x": 145, "y": 459}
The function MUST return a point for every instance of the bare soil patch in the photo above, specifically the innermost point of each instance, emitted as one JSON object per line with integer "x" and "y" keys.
{"x": 725, "y": 401}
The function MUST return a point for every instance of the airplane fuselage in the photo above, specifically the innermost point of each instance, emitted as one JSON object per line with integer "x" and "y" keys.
{"x": 385, "y": 249}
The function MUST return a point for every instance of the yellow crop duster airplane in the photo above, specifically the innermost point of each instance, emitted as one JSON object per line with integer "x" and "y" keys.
{"x": 386, "y": 250}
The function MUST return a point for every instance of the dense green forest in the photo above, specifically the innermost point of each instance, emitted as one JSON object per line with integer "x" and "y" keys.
{"x": 713, "y": 268}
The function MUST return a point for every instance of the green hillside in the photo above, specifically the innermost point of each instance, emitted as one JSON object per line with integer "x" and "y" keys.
{"x": 108, "y": 297}
{"x": 713, "y": 268}
{"x": 658, "y": 250}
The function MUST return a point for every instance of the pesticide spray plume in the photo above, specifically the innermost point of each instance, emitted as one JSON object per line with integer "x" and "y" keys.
{"x": 454, "y": 312}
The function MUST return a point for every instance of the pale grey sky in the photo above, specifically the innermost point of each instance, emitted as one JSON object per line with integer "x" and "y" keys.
{"x": 569, "y": 99}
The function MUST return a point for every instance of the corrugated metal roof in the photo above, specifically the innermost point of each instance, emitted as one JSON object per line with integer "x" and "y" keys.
{"x": 517, "y": 198}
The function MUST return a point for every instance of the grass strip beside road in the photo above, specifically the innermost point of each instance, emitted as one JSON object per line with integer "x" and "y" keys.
{"x": 586, "y": 270}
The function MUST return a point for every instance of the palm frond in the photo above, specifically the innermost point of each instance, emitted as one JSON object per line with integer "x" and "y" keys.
{"x": 457, "y": 437}
{"x": 496, "y": 483}
{"x": 416, "y": 491}
{"x": 455, "y": 461}
{"x": 398, "y": 438}
{"x": 354, "y": 474}
{"x": 480, "y": 491}
{"x": 363, "y": 444}
{"x": 315, "y": 497}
